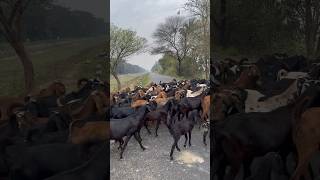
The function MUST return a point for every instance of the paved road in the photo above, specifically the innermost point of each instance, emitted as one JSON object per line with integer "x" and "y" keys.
{"x": 154, "y": 163}
{"x": 156, "y": 78}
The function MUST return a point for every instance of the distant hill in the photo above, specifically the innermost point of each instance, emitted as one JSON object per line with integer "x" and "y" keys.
{"x": 127, "y": 68}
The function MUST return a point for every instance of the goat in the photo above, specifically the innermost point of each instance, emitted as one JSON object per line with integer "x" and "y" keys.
{"x": 283, "y": 74}
{"x": 138, "y": 103}
{"x": 96, "y": 168}
{"x": 305, "y": 134}
{"x": 94, "y": 103}
{"x": 271, "y": 103}
{"x": 179, "y": 128}
{"x": 196, "y": 93}
{"x": 81, "y": 132}
{"x": 129, "y": 126}
{"x": 249, "y": 78}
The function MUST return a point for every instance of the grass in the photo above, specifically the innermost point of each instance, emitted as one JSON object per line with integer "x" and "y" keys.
{"x": 130, "y": 80}
{"x": 66, "y": 60}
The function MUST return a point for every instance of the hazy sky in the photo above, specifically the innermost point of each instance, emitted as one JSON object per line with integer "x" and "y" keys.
{"x": 143, "y": 16}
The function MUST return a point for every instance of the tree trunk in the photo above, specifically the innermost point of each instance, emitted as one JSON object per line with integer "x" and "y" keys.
{"x": 118, "y": 80}
{"x": 179, "y": 67}
{"x": 223, "y": 9}
{"x": 318, "y": 47}
{"x": 26, "y": 63}
{"x": 207, "y": 68}
{"x": 308, "y": 29}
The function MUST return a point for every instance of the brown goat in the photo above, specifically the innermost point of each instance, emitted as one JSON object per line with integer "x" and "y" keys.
{"x": 94, "y": 103}
{"x": 205, "y": 104}
{"x": 138, "y": 103}
{"x": 81, "y": 132}
{"x": 55, "y": 88}
{"x": 7, "y": 106}
{"x": 306, "y": 136}
{"x": 248, "y": 78}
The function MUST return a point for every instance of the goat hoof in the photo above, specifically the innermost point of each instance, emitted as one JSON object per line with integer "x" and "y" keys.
{"x": 184, "y": 146}
{"x": 189, "y": 145}
{"x": 171, "y": 158}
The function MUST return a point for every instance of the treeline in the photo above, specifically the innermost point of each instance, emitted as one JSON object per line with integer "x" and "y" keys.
{"x": 168, "y": 65}
{"x": 52, "y": 21}
{"x": 267, "y": 26}
{"x": 127, "y": 68}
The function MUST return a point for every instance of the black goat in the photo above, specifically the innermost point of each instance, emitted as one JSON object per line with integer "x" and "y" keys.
{"x": 39, "y": 162}
{"x": 121, "y": 112}
{"x": 183, "y": 127}
{"x": 129, "y": 126}
{"x": 96, "y": 168}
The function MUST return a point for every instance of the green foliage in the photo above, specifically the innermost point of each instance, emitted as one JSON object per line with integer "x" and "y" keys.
{"x": 124, "y": 43}
{"x": 125, "y": 68}
{"x": 65, "y": 60}
{"x": 256, "y": 27}
{"x": 43, "y": 21}
{"x": 168, "y": 65}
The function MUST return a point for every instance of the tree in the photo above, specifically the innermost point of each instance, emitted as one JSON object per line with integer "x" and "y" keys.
{"x": 307, "y": 12}
{"x": 172, "y": 38}
{"x": 123, "y": 43}
{"x": 200, "y": 50}
{"x": 11, "y": 13}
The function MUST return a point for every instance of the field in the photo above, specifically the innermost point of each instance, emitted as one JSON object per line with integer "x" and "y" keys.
{"x": 65, "y": 60}
{"x": 130, "y": 80}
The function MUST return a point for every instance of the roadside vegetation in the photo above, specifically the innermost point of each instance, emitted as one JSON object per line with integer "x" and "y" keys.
{"x": 67, "y": 61}
{"x": 130, "y": 80}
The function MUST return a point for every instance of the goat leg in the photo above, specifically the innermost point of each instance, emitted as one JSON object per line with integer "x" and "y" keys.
{"x": 138, "y": 138}
{"x": 177, "y": 140}
{"x": 157, "y": 127}
{"x": 120, "y": 143}
{"x": 186, "y": 139}
{"x": 204, "y": 137}
{"x": 146, "y": 125}
{"x": 175, "y": 144}
{"x": 177, "y": 147}
{"x": 189, "y": 138}
{"x": 125, "y": 145}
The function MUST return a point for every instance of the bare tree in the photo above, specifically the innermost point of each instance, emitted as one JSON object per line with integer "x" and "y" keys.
{"x": 172, "y": 38}
{"x": 123, "y": 43}
{"x": 11, "y": 14}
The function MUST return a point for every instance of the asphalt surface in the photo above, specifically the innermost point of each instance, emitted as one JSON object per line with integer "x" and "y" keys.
{"x": 156, "y": 78}
{"x": 192, "y": 163}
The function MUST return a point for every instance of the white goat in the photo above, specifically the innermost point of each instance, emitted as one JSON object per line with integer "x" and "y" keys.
{"x": 253, "y": 105}
{"x": 283, "y": 74}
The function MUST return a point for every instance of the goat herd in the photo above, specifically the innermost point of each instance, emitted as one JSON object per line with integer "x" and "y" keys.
{"x": 265, "y": 118}
{"x": 262, "y": 113}
{"x": 53, "y": 135}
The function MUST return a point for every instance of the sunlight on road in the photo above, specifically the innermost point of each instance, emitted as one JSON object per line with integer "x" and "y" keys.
{"x": 186, "y": 157}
